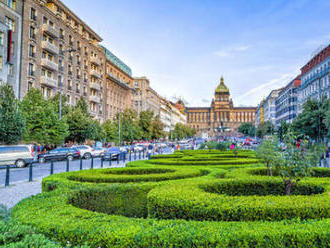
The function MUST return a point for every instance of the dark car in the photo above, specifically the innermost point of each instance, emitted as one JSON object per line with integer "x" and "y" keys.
{"x": 113, "y": 152}
{"x": 59, "y": 154}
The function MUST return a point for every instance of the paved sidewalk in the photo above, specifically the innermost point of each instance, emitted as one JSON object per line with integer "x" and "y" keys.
{"x": 10, "y": 196}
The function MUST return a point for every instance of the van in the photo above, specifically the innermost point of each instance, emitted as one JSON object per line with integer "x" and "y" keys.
{"x": 19, "y": 155}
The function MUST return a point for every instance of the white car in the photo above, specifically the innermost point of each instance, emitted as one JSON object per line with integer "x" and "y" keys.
{"x": 99, "y": 151}
{"x": 86, "y": 151}
{"x": 20, "y": 155}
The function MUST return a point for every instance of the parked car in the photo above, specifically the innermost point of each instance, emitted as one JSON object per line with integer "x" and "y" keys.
{"x": 113, "y": 151}
{"x": 61, "y": 153}
{"x": 85, "y": 151}
{"x": 19, "y": 155}
{"x": 99, "y": 151}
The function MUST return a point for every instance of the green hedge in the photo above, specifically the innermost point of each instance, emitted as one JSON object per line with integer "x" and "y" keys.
{"x": 122, "y": 175}
{"x": 239, "y": 200}
{"x": 209, "y": 207}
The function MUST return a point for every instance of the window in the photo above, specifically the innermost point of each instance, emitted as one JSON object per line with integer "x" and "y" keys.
{"x": 2, "y": 37}
{"x": 11, "y": 4}
{"x": 31, "y": 51}
{"x": 12, "y": 50}
{"x": 32, "y": 32}
{"x": 44, "y": 20}
{"x": 33, "y": 15}
{"x": 31, "y": 70}
{"x": 1, "y": 60}
{"x": 30, "y": 86}
{"x": 61, "y": 33}
{"x": 10, "y": 23}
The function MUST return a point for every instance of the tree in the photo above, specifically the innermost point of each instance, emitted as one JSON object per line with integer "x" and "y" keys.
{"x": 268, "y": 153}
{"x": 297, "y": 162}
{"x": 56, "y": 101}
{"x": 247, "y": 129}
{"x": 79, "y": 125}
{"x": 145, "y": 120}
{"x": 282, "y": 130}
{"x": 312, "y": 121}
{"x": 182, "y": 131}
{"x": 12, "y": 122}
{"x": 266, "y": 128}
{"x": 110, "y": 131}
{"x": 42, "y": 122}
{"x": 95, "y": 131}
{"x": 157, "y": 128}
{"x": 328, "y": 122}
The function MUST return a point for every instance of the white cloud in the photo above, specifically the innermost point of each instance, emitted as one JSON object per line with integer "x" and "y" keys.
{"x": 255, "y": 95}
{"x": 227, "y": 52}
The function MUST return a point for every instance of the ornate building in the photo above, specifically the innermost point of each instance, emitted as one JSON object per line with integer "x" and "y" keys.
{"x": 222, "y": 115}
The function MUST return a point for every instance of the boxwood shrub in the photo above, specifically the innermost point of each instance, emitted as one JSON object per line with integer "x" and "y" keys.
{"x": 210, "y": 207}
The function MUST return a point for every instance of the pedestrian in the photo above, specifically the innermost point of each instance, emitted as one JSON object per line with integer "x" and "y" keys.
{"x": 232, "y": 146}
{"x": 150, "y": 149}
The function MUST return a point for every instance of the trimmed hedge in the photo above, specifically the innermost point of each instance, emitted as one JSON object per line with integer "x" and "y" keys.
{"x": 122, "y": 175}
{"x": 125, "y": 208}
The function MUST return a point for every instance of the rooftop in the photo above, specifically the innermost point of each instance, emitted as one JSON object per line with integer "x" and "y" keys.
{"x": 117, "y": 62}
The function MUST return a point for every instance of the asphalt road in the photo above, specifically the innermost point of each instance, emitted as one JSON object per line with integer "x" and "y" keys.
{"x": 43, "y": 170}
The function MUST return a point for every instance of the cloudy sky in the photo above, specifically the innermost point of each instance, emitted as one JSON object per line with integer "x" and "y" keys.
{"x": 185, "y": 46}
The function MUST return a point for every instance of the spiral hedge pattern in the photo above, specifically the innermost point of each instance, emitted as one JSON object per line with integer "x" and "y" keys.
{"x": 188, "y": 199}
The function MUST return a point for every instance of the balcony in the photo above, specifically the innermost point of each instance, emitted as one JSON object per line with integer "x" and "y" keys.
{"x": 50, "y": 30}
{"x": 50, "y": 47}
{"x": 48, "y": 81}
{"x": 95, "y": 60}
{"x": 95, "y": 99}
{"x": 49, "y": 64}
{"x": 95, "y": 73}
{"x": 95, "y": 86}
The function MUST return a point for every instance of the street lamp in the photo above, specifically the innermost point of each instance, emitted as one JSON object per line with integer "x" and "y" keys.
{"x": 60, "y": 107}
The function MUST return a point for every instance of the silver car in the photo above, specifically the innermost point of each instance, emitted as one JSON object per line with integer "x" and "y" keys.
{"x": 19, "y": 155}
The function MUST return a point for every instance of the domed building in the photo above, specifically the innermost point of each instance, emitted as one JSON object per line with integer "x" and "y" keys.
{"x": 221, "y": 115}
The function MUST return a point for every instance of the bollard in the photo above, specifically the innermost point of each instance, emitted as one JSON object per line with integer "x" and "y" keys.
{"x": 81, "y": 164}
{"x": 134, "y": 155}
{"x": 30, "y": 172}
{"x": 7, "y": 176}
{"x": 130, "y": 155}
{"x": 110, "y": 159}
{"x": 124, "y": 157}
{"x": 143, "y": 154}
{"x": 67, "y": 165}
{"x": 139, "y": 155}
{"x": 118, "y": 157}
{"x": 92, "y": 162}
{"x": 101, "y": 161}
{"x": 149, "y": 155}
{"x": 51, "y": 167}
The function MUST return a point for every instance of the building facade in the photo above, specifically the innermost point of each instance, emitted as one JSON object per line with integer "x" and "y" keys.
{"x": 177, "y": 116}
{"x": 221, "y": 115}
{"x": 10, "y": 43}
{"x": 118, "y": 85}
{"x": 315, "y": 78}
{"x": 165, "y": 114}
{"x": 269, "y": 107}
{"x": 286, "y": 102}
{"x": 61, "y": 53}
{"x": 145, "y": 98}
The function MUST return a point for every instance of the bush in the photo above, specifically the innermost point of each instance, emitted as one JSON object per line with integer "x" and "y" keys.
{"x": 143, "y": 206}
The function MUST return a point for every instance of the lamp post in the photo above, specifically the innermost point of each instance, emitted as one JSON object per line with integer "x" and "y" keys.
{"x": 60, "y": 107}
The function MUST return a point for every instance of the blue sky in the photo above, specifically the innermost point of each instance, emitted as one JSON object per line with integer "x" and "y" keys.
{"x": 184, "y": 47}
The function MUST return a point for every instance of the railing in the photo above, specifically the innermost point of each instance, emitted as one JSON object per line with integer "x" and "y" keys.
{"x": 73, "y": 165}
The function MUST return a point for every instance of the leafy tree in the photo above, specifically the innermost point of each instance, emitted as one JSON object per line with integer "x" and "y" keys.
{"x": 266, "y": 128}
{"x": 268, "y": 153}
{"x": 296, "y": 163}
{"x": 12, "y": 122}
{"x": 95, "y": 131}
{"x": 110, "y": 131}
{"x": 42, "y": 122}
{"x": 145, "y": 120}
{"x": 182, "y": 131}
{"x": 56, "y": 101}
{"x": 247, "y": 129}
{"x": 282, "y": 130}
{"x": 79, "y": 125}
{"x": 157, "y": 128}
{"x": 83, "y": 106}
{"x": 312, "y": 121}
{"x": 328, "y": 122}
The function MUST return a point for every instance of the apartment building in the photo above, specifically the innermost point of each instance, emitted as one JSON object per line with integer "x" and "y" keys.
{"x": 145, "y": 98}
{"x": 315, "y": 78}
{"x": 177, "y": 116}
{"x": 118, "y": 85}
{"x": 10, "y": 43}
{"x": 61, "y": 53}
{"x": 286, "y": 102}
